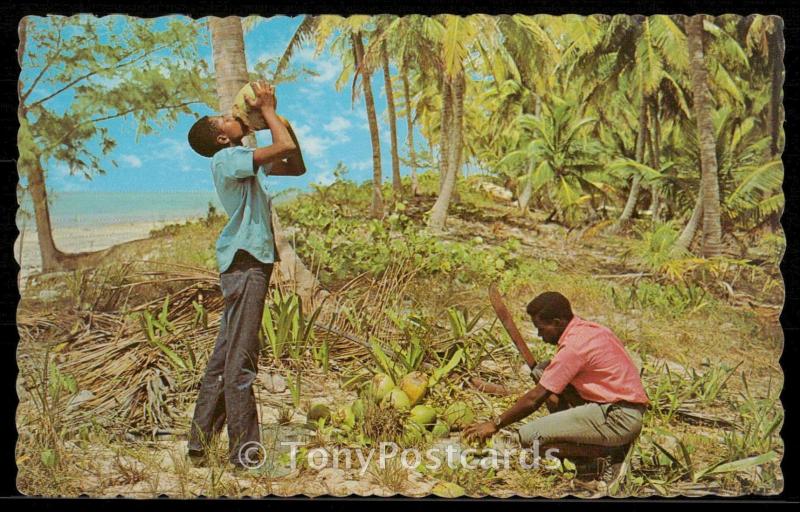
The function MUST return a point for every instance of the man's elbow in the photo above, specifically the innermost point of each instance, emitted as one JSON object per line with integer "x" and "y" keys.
{"x": 287, "y": 149}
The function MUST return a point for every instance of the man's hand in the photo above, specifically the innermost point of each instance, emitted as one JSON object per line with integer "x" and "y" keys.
{"x": 480, "y": 431}
{"x": 264, "y": 97}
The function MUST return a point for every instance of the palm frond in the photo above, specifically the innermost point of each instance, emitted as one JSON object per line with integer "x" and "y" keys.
{"x": 304, "y": 33}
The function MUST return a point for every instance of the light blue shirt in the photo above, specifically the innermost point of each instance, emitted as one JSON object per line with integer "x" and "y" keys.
{"x": 243, "y": 194}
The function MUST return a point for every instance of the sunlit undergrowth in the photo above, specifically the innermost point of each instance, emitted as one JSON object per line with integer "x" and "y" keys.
{"x": 710, "y": 357}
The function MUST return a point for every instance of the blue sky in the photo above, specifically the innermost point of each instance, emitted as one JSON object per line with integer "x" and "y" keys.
{"x": 329, "y": 128}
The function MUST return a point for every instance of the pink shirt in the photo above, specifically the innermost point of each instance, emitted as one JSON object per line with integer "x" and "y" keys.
{"x": 592, "y": 359}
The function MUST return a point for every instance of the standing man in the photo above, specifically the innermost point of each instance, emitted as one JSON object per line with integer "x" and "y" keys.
{"x": 246, "y": 254}
{"x": 591, "y": 387}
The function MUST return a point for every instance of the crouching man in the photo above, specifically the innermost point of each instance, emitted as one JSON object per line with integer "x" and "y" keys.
{"x": 591, "y": 388}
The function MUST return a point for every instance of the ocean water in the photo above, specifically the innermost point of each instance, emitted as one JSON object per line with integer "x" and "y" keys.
{"x": 85, "y": 209}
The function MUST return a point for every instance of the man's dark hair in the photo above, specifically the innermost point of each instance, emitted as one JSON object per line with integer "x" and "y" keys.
{"x": 203, "y": 137}
{"x": 550, "y": 305}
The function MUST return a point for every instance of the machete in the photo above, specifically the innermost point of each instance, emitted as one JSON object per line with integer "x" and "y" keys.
{"x": 508, "y": 322}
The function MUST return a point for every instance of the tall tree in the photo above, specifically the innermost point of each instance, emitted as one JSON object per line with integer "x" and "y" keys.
{"x": 454, "y": 137}
{"x": 712, "y": 229}
{"x": 764, "y": 37}
{"x": 347, "y": 41}
{"x": 409, "y": 128}
{"x": 454, "y": 38}
{"x": 657, "y": 67}
{"x": 110, "y": 68}
{"x": 376, "y": 208}
{"x": 387, "y": 80}
{"x": 406, "y": 40}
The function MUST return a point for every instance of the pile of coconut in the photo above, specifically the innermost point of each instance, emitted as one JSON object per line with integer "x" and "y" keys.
{"x": 389, "y": 411}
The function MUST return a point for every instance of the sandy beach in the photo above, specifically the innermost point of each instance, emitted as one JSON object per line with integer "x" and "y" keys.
{"x": 79, "y": 239}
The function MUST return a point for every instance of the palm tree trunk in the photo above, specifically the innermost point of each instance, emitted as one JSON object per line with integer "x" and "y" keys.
{"x": 633, "y": 195}
{"x": 230, "y": 63}
{"x": 397, "y": 186}
{"x": 376, "y": 209}
{"x": 687, "y": 235}
{"x": 444, "y": 133}
{"x": 712, "y": 229}
{"x": 655, "y": 162}
{"x": 439, "y": 210}
{"x": 457, "y": 134}
{"x": 776, "y": 47}
{"x": 230, "y": 66}
{"x": 410, "y": 133}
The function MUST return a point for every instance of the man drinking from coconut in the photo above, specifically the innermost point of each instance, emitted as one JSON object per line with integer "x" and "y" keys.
{"x": 591, "y": 388}
{"x": 246, "y": 253}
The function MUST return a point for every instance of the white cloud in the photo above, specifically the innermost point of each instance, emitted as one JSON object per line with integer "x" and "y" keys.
{"x": 132, "y": 161}
{"x": 337, "y": 124}
{"x": 362, "y": 165}
{"x": 175, "y": 151}
{"x": 327, "y": 68}
{"x": 313, "y": 145}
{"x": 338, "y": 127}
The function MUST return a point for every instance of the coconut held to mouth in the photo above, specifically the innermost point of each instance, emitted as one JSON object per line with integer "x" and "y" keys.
{"x": 250, "y": 117}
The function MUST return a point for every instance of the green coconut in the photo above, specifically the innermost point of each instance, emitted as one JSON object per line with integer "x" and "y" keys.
{"x": 414, "y": 384}
{"x": 413, "y": 433}
{"x": 441, "y": 429}
{"x": 319, "y": 411}
{"x": 248, "y": 116}
{"x": 380, "y": 386}
{"x": 423, "y": 415}
{"x": 398, "y": 399}
{"x": 459, "y": 415}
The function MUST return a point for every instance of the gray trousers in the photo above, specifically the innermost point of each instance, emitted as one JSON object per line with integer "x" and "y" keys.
{"x": 610, "y": 425}
{"x": 226, "y": 391}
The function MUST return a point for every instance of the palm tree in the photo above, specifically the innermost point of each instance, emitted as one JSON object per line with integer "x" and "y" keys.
{"x": 764, "y": 37}
{"x": 712, "y": 229}
{"x": 382, "y": 22}
{"x": 409, "y": 127}
{"x": 387, "y": 80}
{"x": 347, "y": 40}
{"x": 558, "y": 155}
{"x": 376, "y": 209}
{"x": 454, "y": 38}
{"x": 656, "y": 71}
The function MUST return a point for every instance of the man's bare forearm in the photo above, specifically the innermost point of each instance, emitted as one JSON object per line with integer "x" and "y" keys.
{"x": 525, "y": 406}
{"x": 280, "y": 133}
{"x": 282, "y": 144}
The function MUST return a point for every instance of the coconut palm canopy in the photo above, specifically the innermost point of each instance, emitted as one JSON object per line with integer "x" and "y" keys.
{"x": 572, "y": 112}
